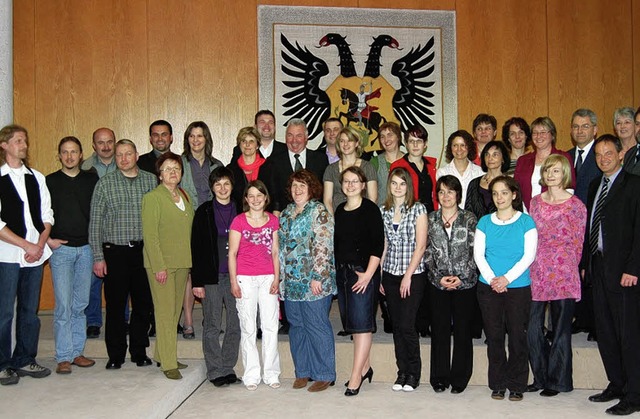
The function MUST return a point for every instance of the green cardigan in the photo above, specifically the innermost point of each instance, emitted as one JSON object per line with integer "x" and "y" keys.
{"x": 166, "y": 230}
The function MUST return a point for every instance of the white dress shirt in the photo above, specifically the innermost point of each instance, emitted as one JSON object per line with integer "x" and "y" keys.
{"x": 472, "y": 172}
{"x": 10, "y": 253}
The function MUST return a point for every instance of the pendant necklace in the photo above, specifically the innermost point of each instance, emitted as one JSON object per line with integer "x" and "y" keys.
{"x": 447, "y": 222}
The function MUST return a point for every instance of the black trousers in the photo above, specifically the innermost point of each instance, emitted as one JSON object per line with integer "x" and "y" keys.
{"x": 617, "y": 321}
{"x": 126, "y": 276}
{"x": 584, "y": 308}
{"x": 510, "y": 309}
{"x": 403, "y": 313}
{"x": 447, "y": 306}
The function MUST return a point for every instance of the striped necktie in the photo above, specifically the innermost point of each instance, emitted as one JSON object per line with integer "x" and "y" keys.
{"x": 594, "y": 235}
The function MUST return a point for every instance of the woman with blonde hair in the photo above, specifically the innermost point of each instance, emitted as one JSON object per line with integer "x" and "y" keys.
{"x": 560, "y": 219}
{"x": 350, "y": 147}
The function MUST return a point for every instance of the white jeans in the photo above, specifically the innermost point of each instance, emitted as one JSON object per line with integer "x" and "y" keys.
{"x": 255, "y": 294}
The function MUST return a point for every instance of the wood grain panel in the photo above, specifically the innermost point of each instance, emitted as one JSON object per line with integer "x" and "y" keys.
{"x": 203, "y": 66}
{"x": 91, "y": 71}
{"x": 636, "y": 51}
{"x": 502, "y": 66}
{"x": 88, "y": 74}
{"x": 589, "y": 61}
{"x": 410, "y": 4}
{"x": 24, "y": 111}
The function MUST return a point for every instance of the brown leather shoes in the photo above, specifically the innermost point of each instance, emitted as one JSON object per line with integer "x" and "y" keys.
{"x": 320, "y": 386}
{"x": 83, "y": 362}
{"x": 300, "y": 383}
{"x": 63, "y": 368}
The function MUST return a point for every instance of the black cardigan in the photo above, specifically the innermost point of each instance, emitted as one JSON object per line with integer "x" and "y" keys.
{"x": 204, "y": 247}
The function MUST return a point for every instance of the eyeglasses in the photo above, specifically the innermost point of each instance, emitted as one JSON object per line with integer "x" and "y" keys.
{"x": 539, "y": 133}
{"x": 584, "y": 127}
{"x": 170, "y": 169}
{"x": 417, "y": 141}
{"x": 350, "y": 182}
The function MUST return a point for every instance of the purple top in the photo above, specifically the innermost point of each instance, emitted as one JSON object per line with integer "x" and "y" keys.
{"x": 254, "y": 254}
{"x": 224, "y": 215}
{"x": 554, "y": 273}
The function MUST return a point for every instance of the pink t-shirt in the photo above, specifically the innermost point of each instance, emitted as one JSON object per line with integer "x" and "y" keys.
{"x": 254, "y": 252}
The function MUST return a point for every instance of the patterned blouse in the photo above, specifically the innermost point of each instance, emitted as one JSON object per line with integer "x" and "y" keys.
{"x": 555, "y": 274}
{"x": 452, "y": 255}
{"x": 401, "y": 243}
{"x": 306, "y": 252}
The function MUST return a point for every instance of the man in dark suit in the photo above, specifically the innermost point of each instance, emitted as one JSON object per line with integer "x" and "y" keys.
{"x": 632, "y": 157}
{"x": 265, "y": 123}
{"x": 611, "y": 261}
{"x": 331, "y": 129}
{"x": 584, "y": 128}
{"x": 297, "y": 157}
{"x": 160, "y": 137}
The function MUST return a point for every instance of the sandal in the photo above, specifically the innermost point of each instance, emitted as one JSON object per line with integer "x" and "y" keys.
{"x": 188, "y": 333}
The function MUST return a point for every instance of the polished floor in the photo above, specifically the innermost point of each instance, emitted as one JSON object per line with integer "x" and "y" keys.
{"x": 144, "y": 392}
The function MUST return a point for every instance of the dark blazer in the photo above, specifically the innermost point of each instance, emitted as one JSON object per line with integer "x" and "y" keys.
{"x": 316, "y": 162}
{"x": 524, "y": 170}
{"x": 265, "y": 174}
{"x": 629, "y": 165}
{"x": 278, "y": 148}
{"x": 147, "y": 162}
{"x": 204, "y": 247}
{"x": 588, "y": 172}
{"x": 620, "y": 224}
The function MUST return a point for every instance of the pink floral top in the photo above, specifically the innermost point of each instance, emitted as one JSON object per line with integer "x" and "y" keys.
{"x": 554, "y": 273}
{"x": 254, "y": 252}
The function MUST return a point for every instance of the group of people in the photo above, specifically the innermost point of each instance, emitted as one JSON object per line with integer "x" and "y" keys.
{"x": 510, "y": 229}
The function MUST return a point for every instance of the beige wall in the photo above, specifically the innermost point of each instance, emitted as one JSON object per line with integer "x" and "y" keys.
{"x": 83, "y": 64}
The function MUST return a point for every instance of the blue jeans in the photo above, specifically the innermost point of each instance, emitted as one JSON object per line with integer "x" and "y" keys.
{"x": 94, "y": 308}
{"x": 23, "y": 285}
{"x": 71, "y": 269}
{"x": 311, "y": 339}
{"x": 552, "y": 364}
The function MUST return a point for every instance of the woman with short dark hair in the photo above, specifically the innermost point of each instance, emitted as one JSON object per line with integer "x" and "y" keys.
{"x": 452, "y": 275}
{"x": 494, "y": 160}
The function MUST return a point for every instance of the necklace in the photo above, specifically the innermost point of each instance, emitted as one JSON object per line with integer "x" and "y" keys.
{"x": 506, "y": 219}
{"x": 447, "y": 222}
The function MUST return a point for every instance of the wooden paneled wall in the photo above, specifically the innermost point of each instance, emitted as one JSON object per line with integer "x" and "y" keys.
{"x": 84, "y": 64}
